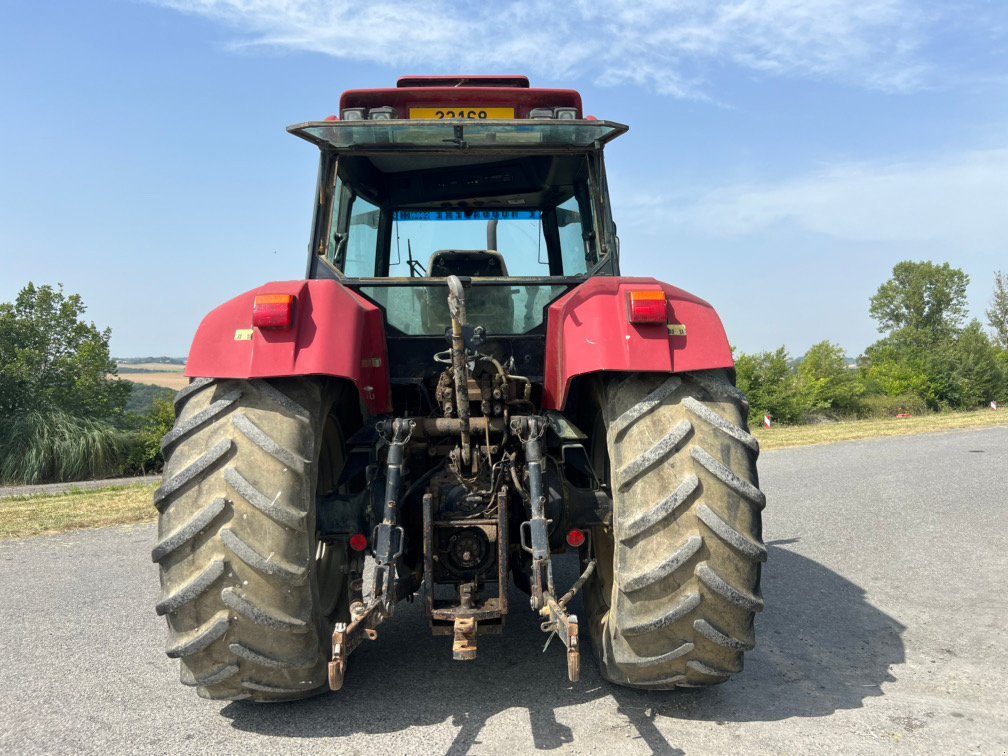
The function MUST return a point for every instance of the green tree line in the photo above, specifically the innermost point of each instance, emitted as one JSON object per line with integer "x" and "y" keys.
{"x": 929, "y": 356}
{"x": 64, "y": 415}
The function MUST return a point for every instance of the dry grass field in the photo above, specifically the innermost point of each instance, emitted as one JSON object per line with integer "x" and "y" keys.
{"x": 173, "y": 380}
{"x": 783, "y": 436}
{"x": 22, "y": 516}
{"x": 154, "y": 367}
{"x": 52, "y": 513}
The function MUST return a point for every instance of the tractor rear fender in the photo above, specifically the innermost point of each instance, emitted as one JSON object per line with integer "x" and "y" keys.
{"x": 589, "y": 331}
{"x": 335, "y": 333}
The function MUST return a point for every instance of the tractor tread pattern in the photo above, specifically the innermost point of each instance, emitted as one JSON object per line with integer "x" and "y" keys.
{"x": 263, "y": 615}
{"x": 195, "y": 386}
{"x": 236, "y": 555}
{"x": 197, "y": 639}
{"x": 711, "y": 633}
{"x": 213, "y": 677}
{"x": 266, "y": 660}
{"x": 654, "y": 456}
{"x": 189, "y": 529}
{"x": 192, "y": 424}
{"x": 190, "y": 589}
{"x": 746, "y": 490}
{"x": 680, "y": 609}
{"x": 687, "y": 543}
{"x": 173, "y": 485}
{"x": 253, "y": 433}
{"x": 651, "y": 402}
{"x": 661, "y": 571}
{"x": 741, "y": 543}
{"x": 280, "y": 513}
{"x": 658, "y": 512}
{"x": 651, "y": 661}
{"x": 709, "y": 416}
{"x": 268, "y": 565}
{"x": 734, "y": 595}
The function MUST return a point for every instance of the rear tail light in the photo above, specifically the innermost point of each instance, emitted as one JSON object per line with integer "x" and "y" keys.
{"x": 647, "y": 307}
{"x": 273, "y": 311}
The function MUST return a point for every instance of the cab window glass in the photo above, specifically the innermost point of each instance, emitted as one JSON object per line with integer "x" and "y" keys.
{"x": 574, "y": 249}
{"x": 362, "y": 239}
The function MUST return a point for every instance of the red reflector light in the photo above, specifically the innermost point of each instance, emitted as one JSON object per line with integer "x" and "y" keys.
{"x": 358, "y": 542}
{"x": 647, "y": 307}
{"x": 575, "y": 538}
{"x": 273, "y": 311}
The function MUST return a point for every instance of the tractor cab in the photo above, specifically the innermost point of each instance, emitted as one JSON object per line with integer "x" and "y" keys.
{"x": 481, "y": 178}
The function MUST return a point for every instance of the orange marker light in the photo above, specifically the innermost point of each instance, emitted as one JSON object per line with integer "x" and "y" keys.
{"x": 647, "y": 307}
{"x": 273, "y": 311}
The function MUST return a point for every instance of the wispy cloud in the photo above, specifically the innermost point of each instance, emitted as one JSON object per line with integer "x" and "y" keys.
{"x": 960, "y": 200}
{"x": 672, "y": 46}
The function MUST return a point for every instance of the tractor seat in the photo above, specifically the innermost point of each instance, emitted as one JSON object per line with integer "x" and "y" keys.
{"x": 488, "y": 306}
{"x": 471, "y": 263}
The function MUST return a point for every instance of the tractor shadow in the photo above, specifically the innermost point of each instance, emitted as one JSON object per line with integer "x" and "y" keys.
{"x": 821, "y": 647}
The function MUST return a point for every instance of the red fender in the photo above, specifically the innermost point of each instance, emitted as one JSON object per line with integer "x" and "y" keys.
{"x": 588, "y": 330}
{"x": 335, "y": 333}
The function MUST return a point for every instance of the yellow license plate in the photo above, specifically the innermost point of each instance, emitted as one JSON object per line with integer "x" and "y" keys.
{"x": 468, "y": 113}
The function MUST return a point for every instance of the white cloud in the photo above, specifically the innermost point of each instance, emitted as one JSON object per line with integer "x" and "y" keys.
{"x": 960, "y": 199}
{"x": 671, "y": 46}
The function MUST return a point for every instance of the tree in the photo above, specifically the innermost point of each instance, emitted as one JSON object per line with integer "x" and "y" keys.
{"x": 825, "y": 381}
{"x": 56, "y": 396}
{"x": 922, "y": 296}
{"x": 50, "y": 359}
{"x": 975, "y": 375}
{"x": 997, "y": 315}
{"x": 770, "y": 384}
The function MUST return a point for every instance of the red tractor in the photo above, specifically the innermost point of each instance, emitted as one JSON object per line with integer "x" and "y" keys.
{"x": 462, "y": 388}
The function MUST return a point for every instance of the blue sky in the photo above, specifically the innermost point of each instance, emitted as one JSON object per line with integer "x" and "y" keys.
{"x": 783, "y": 154}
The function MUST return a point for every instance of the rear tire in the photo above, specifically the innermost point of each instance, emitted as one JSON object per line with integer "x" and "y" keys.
{"x": 677, "y": 582}
{"x": 250, "y": 596}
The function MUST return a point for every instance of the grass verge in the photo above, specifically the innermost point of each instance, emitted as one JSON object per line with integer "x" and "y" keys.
{"x": 22, "y": 516}
{"x": 40, "y": 514}
{"x": 784, "y": 436}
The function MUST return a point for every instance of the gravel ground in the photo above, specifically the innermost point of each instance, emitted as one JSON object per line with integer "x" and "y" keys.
{"x": 885, "y": 630}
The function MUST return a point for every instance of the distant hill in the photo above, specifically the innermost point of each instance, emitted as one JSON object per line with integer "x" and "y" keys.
{"x": 141, "y": 398}
{"x": 159, "y": 360}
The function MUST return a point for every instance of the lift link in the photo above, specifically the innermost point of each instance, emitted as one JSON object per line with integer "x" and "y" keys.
{"x": 389, "y": 542}
{"x": 529, "y": 430}
{"x": 389, "y": 538}
{"x": 457, "y": 309}
{"x": 566, "y": 625}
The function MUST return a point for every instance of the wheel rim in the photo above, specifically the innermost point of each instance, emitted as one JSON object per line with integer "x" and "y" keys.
{"x": 331, "y": 559}
{"x": 603, "y": 542}
{"x": 330, "y": 571}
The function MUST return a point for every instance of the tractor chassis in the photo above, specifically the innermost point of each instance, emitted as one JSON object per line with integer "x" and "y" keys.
{"x": 466, "y": 615}
{"x": 469, "y": 616}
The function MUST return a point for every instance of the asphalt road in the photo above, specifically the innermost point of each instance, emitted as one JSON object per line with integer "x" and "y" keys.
{"x": 885, "y": 629}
